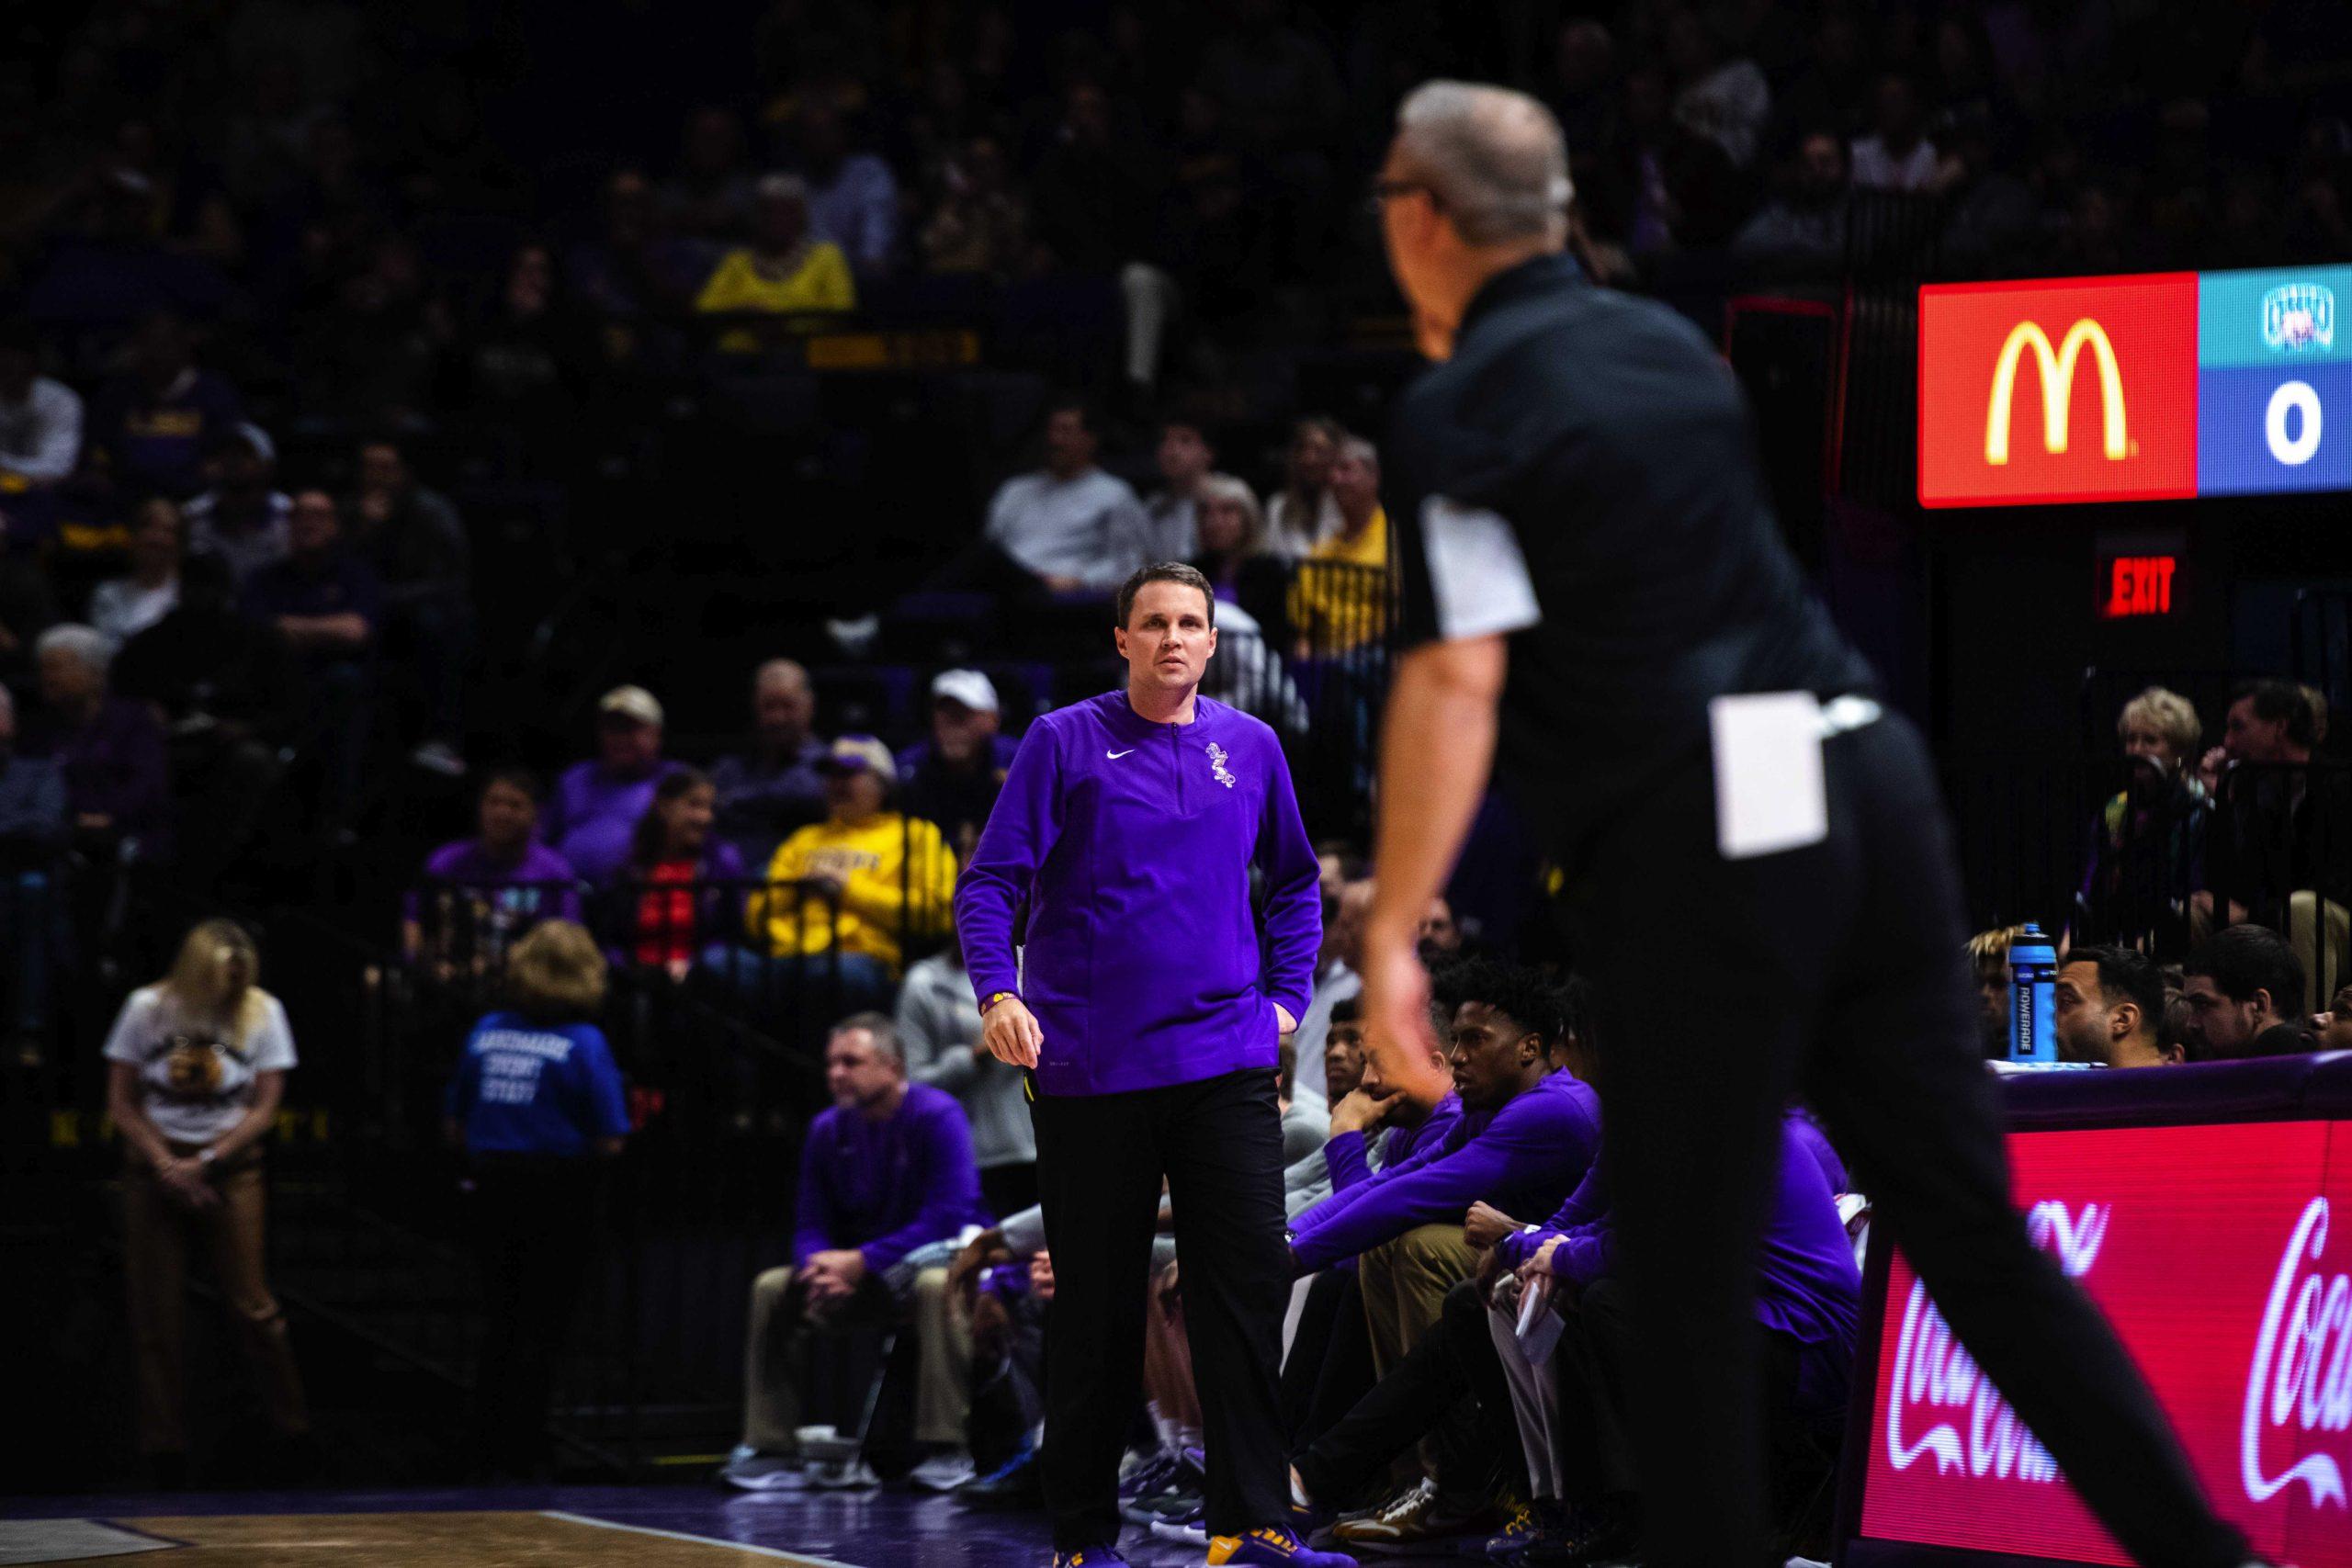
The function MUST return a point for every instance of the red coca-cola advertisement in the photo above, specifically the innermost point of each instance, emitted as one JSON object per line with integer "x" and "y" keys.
{"x": 2223, "y": 1256}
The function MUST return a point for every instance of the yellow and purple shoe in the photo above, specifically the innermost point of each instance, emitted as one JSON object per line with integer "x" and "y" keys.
{"x": 1090, "y": 1557}
{"x": 1274, "y": 1546}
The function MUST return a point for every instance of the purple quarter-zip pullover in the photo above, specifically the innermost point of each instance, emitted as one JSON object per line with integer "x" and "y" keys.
{"x": 1807, "y": 1285}
{"x": 1133, "y": 843}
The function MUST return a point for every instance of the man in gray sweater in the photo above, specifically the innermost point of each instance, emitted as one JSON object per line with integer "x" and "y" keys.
{"x": 939, "y": 1029}
{"x": 1069, "y": 525}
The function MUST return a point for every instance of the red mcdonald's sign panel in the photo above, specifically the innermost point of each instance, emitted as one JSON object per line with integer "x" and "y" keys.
{"x": 2079, "y": 390}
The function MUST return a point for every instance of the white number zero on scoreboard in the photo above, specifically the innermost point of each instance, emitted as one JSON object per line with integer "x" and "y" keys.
{"x": 2293, "y": 397}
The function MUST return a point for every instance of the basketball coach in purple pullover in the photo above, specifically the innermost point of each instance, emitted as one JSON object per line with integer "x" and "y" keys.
{"x": 1148, "y": 1002}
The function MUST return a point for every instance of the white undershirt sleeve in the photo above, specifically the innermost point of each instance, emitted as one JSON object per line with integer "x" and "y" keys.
{"x": 1477, "y": 573}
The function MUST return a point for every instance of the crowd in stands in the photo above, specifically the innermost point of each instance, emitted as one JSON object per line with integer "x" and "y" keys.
{"x": 337, "y": 198}
{"x": 247, "y": 221}
{"x": 250, "y": 222}
{"x": 2255, "y": 828}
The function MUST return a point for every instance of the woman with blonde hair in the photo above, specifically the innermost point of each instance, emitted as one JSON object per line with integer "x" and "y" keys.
{"x": 2148, "y": 844}
{"x": 1235, "y": 548}
{"x": 197, "y": 1067}
{"x": 536, "y": 1103}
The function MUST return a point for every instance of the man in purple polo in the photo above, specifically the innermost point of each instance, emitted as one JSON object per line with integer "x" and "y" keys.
{"x": 1148, "y": 1004}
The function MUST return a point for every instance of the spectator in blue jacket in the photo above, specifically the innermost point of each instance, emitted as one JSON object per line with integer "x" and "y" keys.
{"x": 888, "y": 1191}
{"x": 536, "y": 1104}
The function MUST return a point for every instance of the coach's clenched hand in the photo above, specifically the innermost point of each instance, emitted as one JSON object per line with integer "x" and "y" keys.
{"x": 1011, "y": 1033}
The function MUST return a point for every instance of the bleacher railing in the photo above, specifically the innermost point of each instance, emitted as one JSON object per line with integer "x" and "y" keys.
{"x": 721, "y": 992}
{"x": 1343, "y": 621}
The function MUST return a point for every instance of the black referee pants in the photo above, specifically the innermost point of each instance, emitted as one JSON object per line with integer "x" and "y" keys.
{"x": 1722, "y": 986}
{"x": 1100, "y": 1160}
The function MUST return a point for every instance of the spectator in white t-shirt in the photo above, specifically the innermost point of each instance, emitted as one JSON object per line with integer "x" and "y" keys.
{"x": 1184, "y": 459}
{"x": 196, "y": 1068}
{"x": 40, "y": 419}
{"x": 122, "y": 607}
{"x": 1305, "y": 512}
{"x": 1897, "y": 155}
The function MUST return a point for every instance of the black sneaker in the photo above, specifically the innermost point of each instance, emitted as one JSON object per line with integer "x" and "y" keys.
{"x": 1011, "y": 1486}
{"x": 1178, "y": 1492}
{"x": 1609, "y": 1528}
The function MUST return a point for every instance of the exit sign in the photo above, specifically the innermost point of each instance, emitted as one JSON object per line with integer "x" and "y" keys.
{"x": 2135, "y": 586}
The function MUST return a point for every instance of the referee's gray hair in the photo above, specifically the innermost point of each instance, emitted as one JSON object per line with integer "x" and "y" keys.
{"x": 1363, "y": 451}
{"x": 1494, "y": 159}
{"x": 85, "y": 643}
{"x": 879, "y": 1025}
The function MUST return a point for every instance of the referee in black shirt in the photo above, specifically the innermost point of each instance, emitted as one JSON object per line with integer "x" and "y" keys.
{"x": 1758, "y": 865}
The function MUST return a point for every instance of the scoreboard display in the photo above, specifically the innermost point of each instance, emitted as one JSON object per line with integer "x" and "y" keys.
{"x": 2160, "y": 385}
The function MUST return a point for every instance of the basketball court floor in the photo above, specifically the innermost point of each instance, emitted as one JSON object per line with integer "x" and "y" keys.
{"x": 551, "y": 1527}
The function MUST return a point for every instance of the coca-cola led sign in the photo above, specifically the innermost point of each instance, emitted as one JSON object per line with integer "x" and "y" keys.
{"x": 2223, "y": 1256}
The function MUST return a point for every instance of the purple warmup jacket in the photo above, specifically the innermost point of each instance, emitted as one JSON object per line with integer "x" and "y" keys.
{"x": 1133, "y": 842}
{"x": 1807, "y": 1286}
{"x": 1521, "y": 1158}
{"x": 887, "y": 1188}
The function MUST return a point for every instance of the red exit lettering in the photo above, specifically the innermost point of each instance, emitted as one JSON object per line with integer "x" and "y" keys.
{"x": 2138, "y": 585}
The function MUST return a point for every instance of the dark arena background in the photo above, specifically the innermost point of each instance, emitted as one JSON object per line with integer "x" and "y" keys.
{"x": 475, "y": 467}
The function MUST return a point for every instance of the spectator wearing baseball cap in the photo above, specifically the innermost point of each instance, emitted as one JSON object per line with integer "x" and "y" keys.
{"x": 243, "y": 518}
{"x": 870, "y": 881}
{"x": 953, "y": 778}
{"x": 597, "y": 802}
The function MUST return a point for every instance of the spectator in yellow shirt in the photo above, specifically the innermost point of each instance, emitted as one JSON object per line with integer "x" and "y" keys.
{"x": 1339, "y": 600}
{"x": 872, "y": 882}
{"x": 784, "y": 271}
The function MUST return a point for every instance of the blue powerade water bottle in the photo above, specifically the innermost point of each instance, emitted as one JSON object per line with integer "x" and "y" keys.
{"x": 2033, "y": 977}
